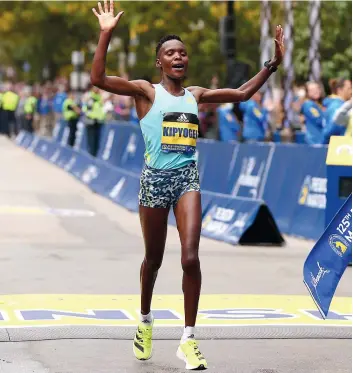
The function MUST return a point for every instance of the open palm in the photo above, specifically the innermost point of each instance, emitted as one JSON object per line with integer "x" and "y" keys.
{"x": 106, "y": 18}
{"x": 279, "y": 45}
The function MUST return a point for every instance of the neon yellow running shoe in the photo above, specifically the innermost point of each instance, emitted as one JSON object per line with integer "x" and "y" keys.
{"x": 142, "y": 346}
{"x": 189, "y": 352}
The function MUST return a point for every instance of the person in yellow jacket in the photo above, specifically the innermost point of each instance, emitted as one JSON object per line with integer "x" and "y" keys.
{"x": 30, "y": 108}
{"x": 1, "y": 111}
{"x": 94, "y": 118}
{"x": 10, "y": 101}
{"x": 71, "y": 114}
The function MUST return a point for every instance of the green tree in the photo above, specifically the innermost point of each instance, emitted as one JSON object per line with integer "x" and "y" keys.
{"x": 45, "y": 34}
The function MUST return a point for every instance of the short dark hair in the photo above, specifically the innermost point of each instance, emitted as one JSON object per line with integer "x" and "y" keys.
{"x": 166, "y": 38}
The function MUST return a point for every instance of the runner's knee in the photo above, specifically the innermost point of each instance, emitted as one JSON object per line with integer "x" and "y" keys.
{"x": 153, "y": 264}
{"x": 190, "y": 263}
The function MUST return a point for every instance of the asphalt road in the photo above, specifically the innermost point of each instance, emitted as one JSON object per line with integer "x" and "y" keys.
{"x": 101, "y": 254}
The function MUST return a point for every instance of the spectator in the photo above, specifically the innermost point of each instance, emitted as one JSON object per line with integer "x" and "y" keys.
{"x": 255, "y": 123}
{"x": 344, "y": 93}
{"x": 299, "y": 97}
{"x": 58, "y": 102}
{"x": 20, "y": 112}
{"x": 71, "y": 113}
{"x": 229, "y": 127}
{"x": 29, "y": 110}
{"x": 312, "y": 112}
{"x": 1, "y": 111}
{"x": 45, "y": 111}
{"x": 108, "y": 106}
{"x": 343, "y": 117}
{"x": 333, "y": 90}
{"x": 94, "y": 118}
{"x": 133, "y": 114}
{"x": 10, "y": 101}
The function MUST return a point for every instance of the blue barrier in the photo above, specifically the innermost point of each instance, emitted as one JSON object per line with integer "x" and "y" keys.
{"x": 24, "y": 139}
{"x": 295, "y": 189}
{"x": 248, "y": 221}
{"x": 309, "y": 211}
{"x": 122, "y": 146}
{"x": 249, "y": 170}
{"x": 214, "y": 158}
{"x": 289, "y": 178}
{"x": 58, "y": 131}
{"x": 81, "y": 137}
{"x": 238, "y": 220}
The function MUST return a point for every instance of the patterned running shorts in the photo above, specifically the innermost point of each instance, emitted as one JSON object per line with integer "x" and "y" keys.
{"x": 163, "y": 188}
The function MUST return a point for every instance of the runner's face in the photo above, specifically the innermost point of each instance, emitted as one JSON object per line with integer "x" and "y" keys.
{"x": 173, "y": 59}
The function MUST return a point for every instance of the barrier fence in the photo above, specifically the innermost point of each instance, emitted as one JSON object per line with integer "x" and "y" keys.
{"x": 251, "y": 192}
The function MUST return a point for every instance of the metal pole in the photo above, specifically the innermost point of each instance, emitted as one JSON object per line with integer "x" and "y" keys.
{"x": 230, "y": 53}
{"x": 315, "y": 32}
{"x": 288, "y": 65}
{"x": 266, "y": 44}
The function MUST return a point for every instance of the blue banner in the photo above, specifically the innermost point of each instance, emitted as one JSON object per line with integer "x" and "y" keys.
{"x": 45, "y": 148}
{"x": 329, "y": 258}
{"x": 295, "y": 189}
{"x": 125, "y": 190}
{"x": 248, "y": 170}
{"x": 309, "y": 209}
{"x": 26, "y": 140}
{"x": 238, "y": 220}
{"x": 122, "y": 145}
{"x": 59, "y": 129}
{"x": 214, "y": 158}
{"x": 81, "y": 137}
{"x": 289, "y": 178}
{"x": 78, "y": 163}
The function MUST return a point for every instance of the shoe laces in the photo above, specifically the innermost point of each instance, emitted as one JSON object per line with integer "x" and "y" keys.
{"x": 143, "y": 334}
{"x": 197, "y": 352}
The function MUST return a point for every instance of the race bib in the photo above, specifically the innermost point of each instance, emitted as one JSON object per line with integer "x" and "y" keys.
{"x": 179, "y": 133}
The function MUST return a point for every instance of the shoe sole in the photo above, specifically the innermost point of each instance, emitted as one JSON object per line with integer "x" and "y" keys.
{"x": 180, "y": 354}
{"x": 143, "y": 359}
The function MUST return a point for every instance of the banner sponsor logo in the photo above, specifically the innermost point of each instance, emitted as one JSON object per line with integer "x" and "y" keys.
{"x": 91, "y": 173}
{"x": 329, "y": 258}
{"x": 117, "y": 188}
{"x": 249, "y": 177}
{"x": 108, "y": 145}
{"x": 123, "y": 310}
{"x": 313, "y": 192}
{"x": 219, "y": 219}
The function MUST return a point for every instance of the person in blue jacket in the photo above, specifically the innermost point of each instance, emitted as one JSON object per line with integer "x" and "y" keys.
{"x": 255, "y": 122}
{"x": 228, "y": 125}
{"x": 333, "y": 95}
{"x": 313, "y": 113}
{"x": 58, "y": 102}
{"x": 344, "y": 93}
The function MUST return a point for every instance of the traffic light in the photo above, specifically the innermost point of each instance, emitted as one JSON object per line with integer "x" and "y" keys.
{"x": 238, "y": 73}
{"x": 227, "y": 35}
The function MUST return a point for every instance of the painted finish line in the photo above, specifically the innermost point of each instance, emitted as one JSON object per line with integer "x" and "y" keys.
{"x": 123, "y": 310}
{"x": 44, "y": 211}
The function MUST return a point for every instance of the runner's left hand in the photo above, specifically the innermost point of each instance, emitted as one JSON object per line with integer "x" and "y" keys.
{"x": 279, "y": 47}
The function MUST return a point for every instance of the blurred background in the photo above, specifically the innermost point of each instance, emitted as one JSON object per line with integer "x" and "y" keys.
{"x": 46, "y": 50}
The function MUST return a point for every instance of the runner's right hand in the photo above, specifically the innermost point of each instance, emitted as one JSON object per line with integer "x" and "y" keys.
{"x": 106, "y": 18}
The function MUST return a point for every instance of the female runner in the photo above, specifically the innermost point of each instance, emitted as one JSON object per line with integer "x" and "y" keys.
{"x": 168, "y": 115}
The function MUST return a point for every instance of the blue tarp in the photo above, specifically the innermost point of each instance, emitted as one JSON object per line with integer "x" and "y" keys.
{"x": 290, "y": 179}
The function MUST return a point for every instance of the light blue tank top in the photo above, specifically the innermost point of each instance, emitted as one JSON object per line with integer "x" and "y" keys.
{"x": 170, "y": 130}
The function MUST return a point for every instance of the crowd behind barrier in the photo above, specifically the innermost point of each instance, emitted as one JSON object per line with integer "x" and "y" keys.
{"x": 315, "y": 116}
{"x": 281, "y": 185}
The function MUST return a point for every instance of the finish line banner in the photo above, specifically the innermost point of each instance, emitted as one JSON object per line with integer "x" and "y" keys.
{"x": 329, "y": 258}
